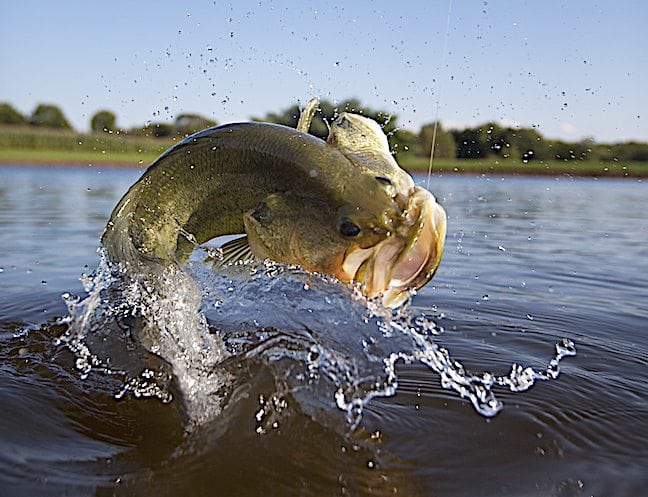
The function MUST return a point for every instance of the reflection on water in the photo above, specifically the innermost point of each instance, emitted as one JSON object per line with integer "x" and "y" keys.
{"x": 528, "y": 261}
{"x": 51, "y": 218}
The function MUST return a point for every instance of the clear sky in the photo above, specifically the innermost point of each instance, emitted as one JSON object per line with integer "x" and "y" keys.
{"x": 573, "y": 69}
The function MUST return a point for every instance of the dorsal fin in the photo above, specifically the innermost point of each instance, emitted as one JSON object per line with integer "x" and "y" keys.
{"x": 306, "y": 116}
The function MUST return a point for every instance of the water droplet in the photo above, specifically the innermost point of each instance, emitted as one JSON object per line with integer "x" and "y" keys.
{"x": 565, "y": 348}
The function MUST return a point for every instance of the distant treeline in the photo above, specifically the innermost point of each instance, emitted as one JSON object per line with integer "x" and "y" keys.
{"x": 486, "y": 141}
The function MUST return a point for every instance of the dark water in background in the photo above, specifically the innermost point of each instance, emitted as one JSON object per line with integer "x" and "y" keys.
{"x": 528, "y": 261}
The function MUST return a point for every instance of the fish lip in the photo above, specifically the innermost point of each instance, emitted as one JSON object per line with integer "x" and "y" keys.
{"x": 408, "y": 259}
{"x": 419, "y": 260}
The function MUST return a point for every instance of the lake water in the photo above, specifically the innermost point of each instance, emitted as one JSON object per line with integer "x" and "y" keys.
{"x": 528, "y": 262}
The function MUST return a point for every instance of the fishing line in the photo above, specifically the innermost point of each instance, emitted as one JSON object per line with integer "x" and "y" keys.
{"x": 436, "y": 118}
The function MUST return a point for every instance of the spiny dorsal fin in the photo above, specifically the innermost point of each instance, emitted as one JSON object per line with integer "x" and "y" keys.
{"x": 306, "y": 116}
{"x": 234, "y": 251}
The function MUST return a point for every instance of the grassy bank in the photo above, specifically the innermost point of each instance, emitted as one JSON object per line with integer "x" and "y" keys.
{"x": 29, "y": 145}
{"x": 536, "y": 168}
{"x": 66, "y": 157}
{"x": 22, "y": 145}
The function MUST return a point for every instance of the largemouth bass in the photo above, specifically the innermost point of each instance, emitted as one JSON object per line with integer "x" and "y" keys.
{"x": 341, "y": 207}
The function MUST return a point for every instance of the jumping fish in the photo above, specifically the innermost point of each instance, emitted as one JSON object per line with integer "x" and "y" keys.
{"x": 340, "y": 207}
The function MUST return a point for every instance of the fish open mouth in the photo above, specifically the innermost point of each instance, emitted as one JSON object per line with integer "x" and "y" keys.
{"x": 407, "y": 259}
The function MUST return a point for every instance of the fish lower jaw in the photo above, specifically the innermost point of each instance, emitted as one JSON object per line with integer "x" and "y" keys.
{"x": 399, "y": 265}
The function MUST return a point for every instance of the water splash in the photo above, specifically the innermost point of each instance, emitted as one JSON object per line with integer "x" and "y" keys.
{"x": 326, "y": 346}
{"x": 135, "y": 327}
{"x": 324, "y": 339}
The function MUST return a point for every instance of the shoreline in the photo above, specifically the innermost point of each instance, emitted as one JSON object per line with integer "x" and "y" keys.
{"x": 452, "y": 168}
{"x": 73, "y": 163}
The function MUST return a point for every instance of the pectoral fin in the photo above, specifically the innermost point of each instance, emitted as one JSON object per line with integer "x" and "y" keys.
{"x": 237, "y": 250}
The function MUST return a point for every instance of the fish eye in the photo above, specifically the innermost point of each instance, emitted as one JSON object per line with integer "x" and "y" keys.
{"x": 348, "y": 228}
{"x": 384, "y": 181}
{"x": 262, "y": 213}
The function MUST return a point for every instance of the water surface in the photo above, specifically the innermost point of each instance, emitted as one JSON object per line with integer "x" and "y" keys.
{"x": 528, "y": 262}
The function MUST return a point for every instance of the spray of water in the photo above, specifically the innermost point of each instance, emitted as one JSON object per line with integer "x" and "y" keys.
{"x": 327, "y": 347}
{"x": 147, "y": 329}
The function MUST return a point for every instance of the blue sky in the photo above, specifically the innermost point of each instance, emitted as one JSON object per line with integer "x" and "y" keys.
{"x": 573, "y": 69}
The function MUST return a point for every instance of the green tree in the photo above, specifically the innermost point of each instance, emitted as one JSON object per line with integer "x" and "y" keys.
{"x": 471, "y": 143}
{"x": 50, "y": 116}
{"x": 570, "y": 151}
{"x": 404, "y": 142}
{"x": 628, "y": 151}
{"x": 103, "y": 120}
{"x": 529, "y": 144}
{"x": 9, "y": 115}
{"x": 488, "y": 140}
{"x": 444, "y": 144}
{"x": 497, "y": 140}
{"x": 188, "y": 124}
{"x": 159, "y": 130}
{"x": 632, "y": 151}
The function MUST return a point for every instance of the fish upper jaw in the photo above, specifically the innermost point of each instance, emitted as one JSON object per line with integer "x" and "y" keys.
{"x": 421, "y": 256}
{"x": 407, "y": 259}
